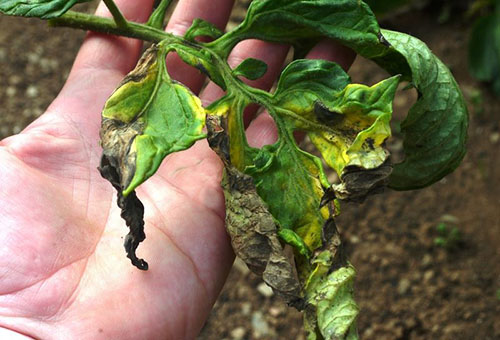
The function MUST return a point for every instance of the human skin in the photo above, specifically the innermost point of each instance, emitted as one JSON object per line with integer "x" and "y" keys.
{"x": 63, "y": 269}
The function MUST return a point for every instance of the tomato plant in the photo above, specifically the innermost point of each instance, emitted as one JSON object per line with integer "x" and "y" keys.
{"x": 278, "y": 194}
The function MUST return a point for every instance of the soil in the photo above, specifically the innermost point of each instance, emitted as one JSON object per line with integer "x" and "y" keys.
{"x": 408, "y": 287}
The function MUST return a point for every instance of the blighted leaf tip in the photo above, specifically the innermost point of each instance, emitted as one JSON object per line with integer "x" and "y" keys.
{"x": 132, "y": 210}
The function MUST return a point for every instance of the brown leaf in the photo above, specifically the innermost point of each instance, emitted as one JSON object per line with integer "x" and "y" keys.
{"x": 358, "y": 183}
{"x": 251, "y": 227}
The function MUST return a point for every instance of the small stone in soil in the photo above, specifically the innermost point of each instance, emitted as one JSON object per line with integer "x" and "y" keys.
{"x": 32, "y": 91}
{"x": 238, "y": 333}
{"x": 404, "y": 286}
{"x": 259, "y": 325}
{"x": 246, "y": 308}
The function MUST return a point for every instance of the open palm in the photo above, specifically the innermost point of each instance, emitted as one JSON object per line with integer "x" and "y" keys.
{"x": 63, "y": 269}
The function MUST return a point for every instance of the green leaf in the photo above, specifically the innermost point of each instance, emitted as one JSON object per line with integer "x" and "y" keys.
{"x": 320, "y": 78}
{"x": 292, "y": 21}
{"x": 44, "y": 9}
{"x": 251, "y": 69}
{"x": 148, "y": 117}
{"x": 484, "y": 50}
{"x": 302, "y": 188}
{"x": 435, "y": 130}
{"x": 202, "y": 28}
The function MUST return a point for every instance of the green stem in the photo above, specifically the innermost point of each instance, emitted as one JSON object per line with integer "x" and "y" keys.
{"x": 108, "y": 26}
{"x": 117, "y": 15}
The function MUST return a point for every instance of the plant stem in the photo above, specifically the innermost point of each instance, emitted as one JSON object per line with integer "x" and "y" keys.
{"x": 117, "y": 15}
{"x": 104, "y": 25}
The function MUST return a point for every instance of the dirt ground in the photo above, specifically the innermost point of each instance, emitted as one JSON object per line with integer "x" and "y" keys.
{"x": 407, "y": 286}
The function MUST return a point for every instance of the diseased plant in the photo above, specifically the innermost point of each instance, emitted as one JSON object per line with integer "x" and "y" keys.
{"x": 278, "y": 195}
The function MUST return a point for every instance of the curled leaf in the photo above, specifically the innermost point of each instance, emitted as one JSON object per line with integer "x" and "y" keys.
{"x": 132, "y": 211}
{"x": 435, "y": 130}
{"x": 148, "y": 117}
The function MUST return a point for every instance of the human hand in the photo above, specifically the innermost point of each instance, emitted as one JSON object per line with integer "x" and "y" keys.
{"x": 63, "y": 269}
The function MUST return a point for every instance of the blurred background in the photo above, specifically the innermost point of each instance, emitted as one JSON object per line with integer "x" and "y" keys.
{"x": 428, "y": 261}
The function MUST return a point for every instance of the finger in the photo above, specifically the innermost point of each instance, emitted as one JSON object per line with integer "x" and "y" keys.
{"x": 328, "y": 49}
{"x": 262, "y": 130}
{"x": 216, "y": 12}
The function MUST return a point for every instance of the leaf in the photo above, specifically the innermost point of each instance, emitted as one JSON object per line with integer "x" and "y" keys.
{"x": 301, "y": 188}
{"x": 484, "y": 50}
{"x": 251, "y": 227}
{"x": 307, "y": 76}
{"x": 435, "y": 130}
{"x": 201, "y": 60}
{"x": 43, "y": 9}
{"x": 147, "y": 117}
{"x": 293, "y": 21}
{"x": 201, "y": 27}
{"x": 332, "y": 295}
{"x": 132, "y": 211}
{"x": 251, "y": 69}
{"x": 350, "y": 128}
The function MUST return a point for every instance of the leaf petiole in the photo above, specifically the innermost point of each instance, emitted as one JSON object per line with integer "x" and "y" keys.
{"x": 116, "y": 13}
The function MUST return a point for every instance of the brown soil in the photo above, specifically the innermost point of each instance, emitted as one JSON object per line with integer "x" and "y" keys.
{"x": 407, "y": 287}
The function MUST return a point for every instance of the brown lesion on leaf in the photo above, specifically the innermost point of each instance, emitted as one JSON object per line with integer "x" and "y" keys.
{"x": 327, "y": 117}
{"x": 116, "y": 141}
{"x": 118, "y": 167}
{"x": 358, "y": 183}
{"x": 333, "y": 243}
{"x": 251, "y": 226}
{"x": 143, "y": 66}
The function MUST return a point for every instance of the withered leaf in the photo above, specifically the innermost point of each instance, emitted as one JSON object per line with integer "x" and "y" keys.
{"x": 251, "y": 227}
{"x": 147, "y": 117}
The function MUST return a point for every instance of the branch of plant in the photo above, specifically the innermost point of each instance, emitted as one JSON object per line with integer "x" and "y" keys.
{"x": 116, "y": 13}
{"x": 109, "y": 26}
